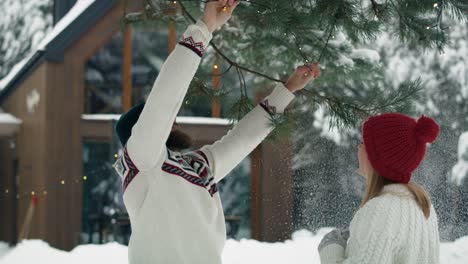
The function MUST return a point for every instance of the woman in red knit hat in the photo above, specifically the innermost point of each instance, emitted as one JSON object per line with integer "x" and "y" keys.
{"x": 396, "y": 222}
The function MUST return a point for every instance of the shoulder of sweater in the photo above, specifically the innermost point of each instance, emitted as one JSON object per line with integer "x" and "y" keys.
{"x": 378, "y": 218}
{"x": 383, "y": 209}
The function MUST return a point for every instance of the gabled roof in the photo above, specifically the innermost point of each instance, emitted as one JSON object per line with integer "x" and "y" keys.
{"x": 83, "y": 15}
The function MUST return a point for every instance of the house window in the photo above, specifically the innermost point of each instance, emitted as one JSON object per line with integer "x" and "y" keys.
{"x": 102, "y": 196}
{"x": 104, "y": 70}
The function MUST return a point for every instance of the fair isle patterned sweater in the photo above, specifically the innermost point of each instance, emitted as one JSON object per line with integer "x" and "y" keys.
{"x": 389, "y": 229}
{"x": 171, "y": 198}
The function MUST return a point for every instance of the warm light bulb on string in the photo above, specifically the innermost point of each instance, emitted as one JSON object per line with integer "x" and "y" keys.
{"x": 44, "y": 192}
{"x": 175, "y": 2}
{"x": 7, "y": 191}
{"x": 428, "y": 27}
{"x": 215, "y": 66}
{"x": 85, "y": 178}
{"x": 62, "y": 182}
{"x": 33, "y": 193}
{"x": 116, "y": 155}
{"x": 436, "y": 5}
{"x": 225, "y": 9}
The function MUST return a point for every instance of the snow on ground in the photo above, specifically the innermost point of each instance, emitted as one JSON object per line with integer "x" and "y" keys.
{"x": 455, "y": 252}
{"x": 301, "y": 249}
{"x": 3, "y": 249}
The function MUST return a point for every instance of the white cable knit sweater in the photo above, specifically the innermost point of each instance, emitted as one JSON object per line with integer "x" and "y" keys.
{"x": 171, "y": 198}
{"x": 389, "y": 229}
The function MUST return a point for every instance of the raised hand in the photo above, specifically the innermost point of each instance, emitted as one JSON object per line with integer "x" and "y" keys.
{"x": 218, "y": 12}
{"x": 302, "y": 76}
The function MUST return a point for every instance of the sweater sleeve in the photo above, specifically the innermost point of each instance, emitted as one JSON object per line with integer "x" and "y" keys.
{"x": 373, "y": 237}
{"x": 147, "y": 143}
{"x": 246, "y": 135}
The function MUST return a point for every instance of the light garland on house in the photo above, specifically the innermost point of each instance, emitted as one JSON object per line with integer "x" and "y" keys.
{"x": 8, "y": 193}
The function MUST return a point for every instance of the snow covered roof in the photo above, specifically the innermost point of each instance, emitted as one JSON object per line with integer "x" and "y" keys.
{"x": 82, "y": 16}
{"x": 9, "y": 124}
{"x": 183, "y": 120}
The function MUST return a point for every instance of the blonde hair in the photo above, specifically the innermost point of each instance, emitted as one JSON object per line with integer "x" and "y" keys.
{"x": 375, "y": 184}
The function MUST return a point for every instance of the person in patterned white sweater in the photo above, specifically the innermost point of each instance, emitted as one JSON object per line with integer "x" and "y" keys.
{"x": 171, "y": 198}
{"x": 396, "y": 223}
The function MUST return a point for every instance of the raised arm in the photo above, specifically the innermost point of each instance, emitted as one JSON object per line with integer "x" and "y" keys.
{"x": 249, "y": 132}
{"x": 146, "y": 145}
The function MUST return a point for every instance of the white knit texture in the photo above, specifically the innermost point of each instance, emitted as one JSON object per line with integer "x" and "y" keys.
{"x": 391, "y": 229}
{"x": 174, "y": 207}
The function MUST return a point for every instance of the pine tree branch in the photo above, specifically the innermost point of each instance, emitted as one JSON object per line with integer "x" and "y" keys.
{"x": 225, "y": 57}
{"x": 330, "y": 100}
{"x": 345, "y": 110}
{"x": 328, "y": 40}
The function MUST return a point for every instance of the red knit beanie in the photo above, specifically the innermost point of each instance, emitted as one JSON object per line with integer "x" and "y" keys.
{"x": 396, "y": 144}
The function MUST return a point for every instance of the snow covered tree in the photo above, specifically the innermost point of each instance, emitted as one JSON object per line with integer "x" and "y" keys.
{"x": 23, "y": 25}
{"x": 267, "y": 38}
{"x": 445, "y": 79}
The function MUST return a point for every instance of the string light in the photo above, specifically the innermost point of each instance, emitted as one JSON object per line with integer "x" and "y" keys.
{"x": 436, "y": 5}
{"x": 175, "y": 2}
{"x": 225, "y": 9}
{"x": 45, "y": 189}
{"x": 215, "y": 66}
{"x": 116, "y": 155}
{"x": 428, "y": 27}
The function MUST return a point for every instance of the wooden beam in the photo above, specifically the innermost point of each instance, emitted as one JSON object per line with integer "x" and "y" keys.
{"x": 215, "y": 105}
{"x": 172, "y": 28}
{"x": 255, "y": 194}
{"x": 172, "y": 36}
{"x": 271, "y": 190}
{"x": 127, "y": 69}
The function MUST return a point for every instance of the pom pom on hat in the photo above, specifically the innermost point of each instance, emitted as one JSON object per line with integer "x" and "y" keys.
{"x": 426, "y": 130}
